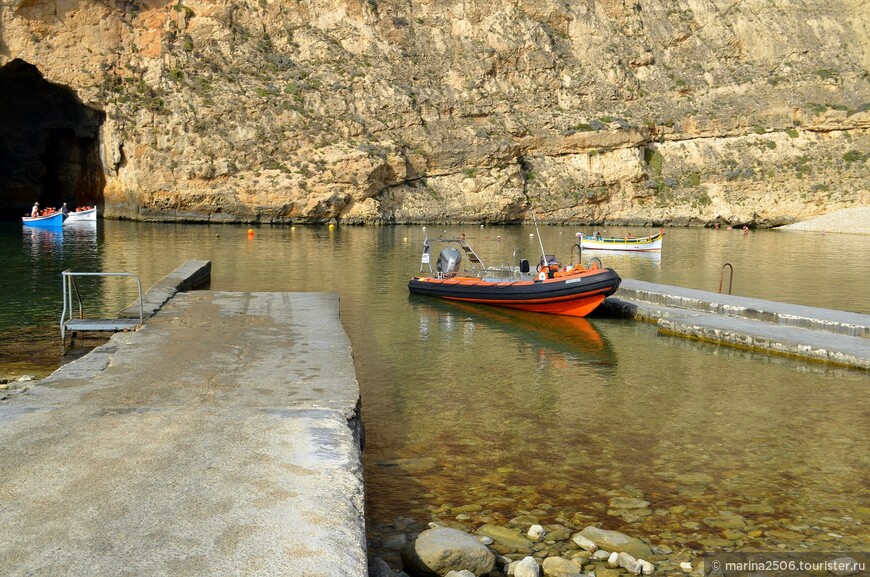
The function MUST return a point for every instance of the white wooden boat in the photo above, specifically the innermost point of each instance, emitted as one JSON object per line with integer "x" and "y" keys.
{"x": 87, "y": 215}
{"x": 643, "y": 243}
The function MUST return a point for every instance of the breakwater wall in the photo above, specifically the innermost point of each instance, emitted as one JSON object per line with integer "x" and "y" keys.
{"x": 831, "y": 336}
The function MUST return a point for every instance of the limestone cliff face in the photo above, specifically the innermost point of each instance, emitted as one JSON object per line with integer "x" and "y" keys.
{"x": 638, "y": 111}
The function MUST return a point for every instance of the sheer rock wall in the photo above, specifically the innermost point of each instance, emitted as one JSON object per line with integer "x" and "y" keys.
{"x": 681, "y": 112}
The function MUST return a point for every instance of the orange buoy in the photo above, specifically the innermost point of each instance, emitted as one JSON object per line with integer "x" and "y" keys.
{"x": 250, "y": 232}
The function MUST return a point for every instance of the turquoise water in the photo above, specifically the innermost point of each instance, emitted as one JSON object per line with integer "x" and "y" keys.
{"x": 512, "y": 412}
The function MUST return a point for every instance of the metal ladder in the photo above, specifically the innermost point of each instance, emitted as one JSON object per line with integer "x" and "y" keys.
{"x": 73, "y": 325}
{"x": 472, "y": 256}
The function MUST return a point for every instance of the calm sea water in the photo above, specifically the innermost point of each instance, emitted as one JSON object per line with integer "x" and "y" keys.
{"x": 494, "y": 412}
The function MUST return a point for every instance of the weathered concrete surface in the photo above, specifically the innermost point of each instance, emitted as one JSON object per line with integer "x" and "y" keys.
{"x": 192, "y": 274}
{"x": 223, "y": 438}
{"x": 825, "y": 335}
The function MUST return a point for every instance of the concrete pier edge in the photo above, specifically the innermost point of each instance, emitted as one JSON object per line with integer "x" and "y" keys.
{"x": 192, "y": 274}
{"x": 838, "y": 338}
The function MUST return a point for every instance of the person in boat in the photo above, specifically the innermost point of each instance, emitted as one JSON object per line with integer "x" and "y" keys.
{"x": 34, "y": 212}
{"x": 64, "y": 209}
{"x": 596, "y": 235}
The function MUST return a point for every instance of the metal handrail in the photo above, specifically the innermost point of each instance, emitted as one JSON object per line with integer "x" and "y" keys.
{"x": 579, "y": 253}
{"x": 75, "y": 285}
{"x": 69, "y": 285}
{"x": 730, "y": 277}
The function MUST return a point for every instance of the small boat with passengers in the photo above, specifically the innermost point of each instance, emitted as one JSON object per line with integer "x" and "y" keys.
{"x": 48, "y": 220}
{"x": 572, "y": 290}
{"x": 629, "y": 243}
{"x": 84, "y": 214}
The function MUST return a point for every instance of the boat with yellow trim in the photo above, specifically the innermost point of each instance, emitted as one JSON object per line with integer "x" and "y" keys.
{"x": 629, "y": 243}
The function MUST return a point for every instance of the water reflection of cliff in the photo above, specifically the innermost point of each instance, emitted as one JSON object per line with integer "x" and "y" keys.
{"x": 560, "y": 341}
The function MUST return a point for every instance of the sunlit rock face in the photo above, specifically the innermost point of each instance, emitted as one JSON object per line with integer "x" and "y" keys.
{"x": 366, "y": 111}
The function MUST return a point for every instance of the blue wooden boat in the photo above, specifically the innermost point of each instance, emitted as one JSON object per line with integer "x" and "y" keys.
{"x": 52, "y": 220}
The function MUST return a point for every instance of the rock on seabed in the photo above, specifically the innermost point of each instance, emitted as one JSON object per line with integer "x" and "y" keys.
{"x": 442, "y": 549}
{"x": 617, "y": 542}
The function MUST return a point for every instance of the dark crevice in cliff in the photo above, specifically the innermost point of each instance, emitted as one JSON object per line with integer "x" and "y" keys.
{"x": 49, "y": 143}
{"x": 525, "y": 171}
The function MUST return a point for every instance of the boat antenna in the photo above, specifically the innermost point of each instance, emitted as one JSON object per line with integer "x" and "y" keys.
{"x": 541, "y": 242}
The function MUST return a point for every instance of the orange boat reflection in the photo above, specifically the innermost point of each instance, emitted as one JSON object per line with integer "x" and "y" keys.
{"x": 562, "y": 339}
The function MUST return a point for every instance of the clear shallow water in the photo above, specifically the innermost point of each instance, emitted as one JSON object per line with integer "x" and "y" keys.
{"x": 509, "y": 412}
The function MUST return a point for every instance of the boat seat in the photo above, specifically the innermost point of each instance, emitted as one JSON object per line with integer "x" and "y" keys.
{"x": 524, "y": 266}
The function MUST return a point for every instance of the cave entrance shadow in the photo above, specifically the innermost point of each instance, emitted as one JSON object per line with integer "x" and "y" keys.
{"x": 49, "y": 144}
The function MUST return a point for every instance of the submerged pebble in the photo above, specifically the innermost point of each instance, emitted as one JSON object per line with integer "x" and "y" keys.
{"x": 524, "y": 546}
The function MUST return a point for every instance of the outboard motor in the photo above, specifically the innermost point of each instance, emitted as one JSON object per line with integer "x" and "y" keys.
{"x": 448, "y": 261}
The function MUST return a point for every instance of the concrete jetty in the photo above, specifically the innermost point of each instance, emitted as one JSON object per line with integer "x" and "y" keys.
{"x": 222, "y": 438}
{"x": 831, "y": 336}
{"x": 192, "y": 274}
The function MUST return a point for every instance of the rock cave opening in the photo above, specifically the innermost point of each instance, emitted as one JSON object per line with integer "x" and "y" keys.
{"x": 49, "y": 144}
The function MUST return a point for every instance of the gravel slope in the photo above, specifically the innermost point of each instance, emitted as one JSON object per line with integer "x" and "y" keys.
{"x": 848, "y": 220}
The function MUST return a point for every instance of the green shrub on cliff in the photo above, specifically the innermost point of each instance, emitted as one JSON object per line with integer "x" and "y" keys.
{"x": 802, "y": 167}
{"x": 854, "y": 156}
{"x": 655, "y": 160}
{"x": 692, "y": 180}
{"x": 188, "y": 12}
{"x": 702, "y": 199}
{"x": 156, "y": 104}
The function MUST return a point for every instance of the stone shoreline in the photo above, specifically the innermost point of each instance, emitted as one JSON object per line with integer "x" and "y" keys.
{"x": 10, "y": 386}
{"x": 526, "y": 548}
